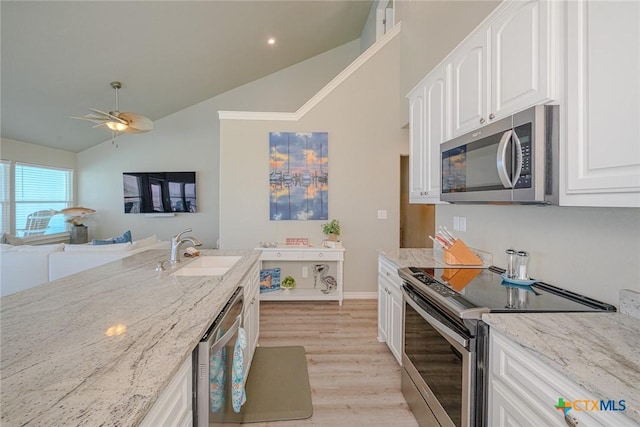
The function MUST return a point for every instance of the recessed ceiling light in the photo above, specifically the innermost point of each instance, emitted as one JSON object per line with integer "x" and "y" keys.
{"x": 271, "y": 41}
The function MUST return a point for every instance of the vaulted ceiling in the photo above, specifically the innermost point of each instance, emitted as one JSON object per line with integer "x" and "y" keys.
{"x": 58, "y": 57}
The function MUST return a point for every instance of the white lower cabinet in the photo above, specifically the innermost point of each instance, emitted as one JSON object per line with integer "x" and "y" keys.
{"x": 524, "y": 391}
{"x": 251, "y": 317}
{"x": 174, "y": 407}
{"x": 390, "y": 307}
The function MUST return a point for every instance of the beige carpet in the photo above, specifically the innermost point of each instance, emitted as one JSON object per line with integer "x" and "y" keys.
{"x": 277, "y": 388}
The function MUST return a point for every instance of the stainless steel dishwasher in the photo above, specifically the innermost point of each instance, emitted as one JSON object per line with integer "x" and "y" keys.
{"x": 212, "y": 365}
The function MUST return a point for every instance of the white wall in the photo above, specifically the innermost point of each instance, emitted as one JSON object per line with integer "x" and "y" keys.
{"x": 25, "y": 152}
{"x": 189, "y": 141}
{"x": 592, "y": 251}
{"x": 364, "y": 147}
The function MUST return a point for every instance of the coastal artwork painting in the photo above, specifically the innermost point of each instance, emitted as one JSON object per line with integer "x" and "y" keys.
{"x": 298, "y": 176}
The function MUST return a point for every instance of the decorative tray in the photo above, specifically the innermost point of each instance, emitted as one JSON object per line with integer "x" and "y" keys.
{"x": 517, "y": 281}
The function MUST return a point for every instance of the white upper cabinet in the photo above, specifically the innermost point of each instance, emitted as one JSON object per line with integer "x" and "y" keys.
{"x": 436, "y": 127}
{"x": 470, "y": 83}
{"x": 603, "y": 104}
{"x": 521, "y": 61}
{"x": 429, "y": 128}
{"x": 417, "y": 155}
{"x": 505, "y": 66}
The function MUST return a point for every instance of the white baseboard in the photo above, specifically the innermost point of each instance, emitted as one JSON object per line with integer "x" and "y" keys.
{"x": 360, "y": 295}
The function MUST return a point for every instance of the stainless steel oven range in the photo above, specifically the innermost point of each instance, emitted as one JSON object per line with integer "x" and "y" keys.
{"x": 445, "y": 343}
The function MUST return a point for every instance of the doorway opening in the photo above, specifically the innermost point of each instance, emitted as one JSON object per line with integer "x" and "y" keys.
{"x": 417, "y": 221}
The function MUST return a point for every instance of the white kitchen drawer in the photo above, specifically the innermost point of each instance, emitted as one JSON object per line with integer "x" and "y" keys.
{"x": 306, "y": 254}
{"x": 389, "y": 270}
{"x": 321, "y": 255}
{"x": 541, "y": 385}
{"x": 280, "y": 255}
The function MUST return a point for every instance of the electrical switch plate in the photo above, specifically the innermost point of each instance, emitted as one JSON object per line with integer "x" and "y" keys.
{"x": 456, "y": 223}
{"x": 305, "y": 272}
{"x": 382, "y": 214}
{"x": 463, "y": 223}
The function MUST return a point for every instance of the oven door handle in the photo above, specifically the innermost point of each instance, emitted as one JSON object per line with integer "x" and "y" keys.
{"x": 221, "y": 342}
{"x": 454, "y": 339}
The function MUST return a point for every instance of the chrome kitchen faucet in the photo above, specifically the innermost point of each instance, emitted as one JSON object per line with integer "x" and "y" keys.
{"x": 177, "y": 241}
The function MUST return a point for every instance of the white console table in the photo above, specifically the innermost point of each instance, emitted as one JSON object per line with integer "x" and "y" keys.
{"x": 298, "y": 262}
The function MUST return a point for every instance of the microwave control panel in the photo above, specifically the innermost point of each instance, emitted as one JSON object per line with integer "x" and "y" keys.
{"x": 524, "y": 135}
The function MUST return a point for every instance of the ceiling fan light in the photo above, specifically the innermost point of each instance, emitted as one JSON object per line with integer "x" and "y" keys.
{"x": 116, "y": 126}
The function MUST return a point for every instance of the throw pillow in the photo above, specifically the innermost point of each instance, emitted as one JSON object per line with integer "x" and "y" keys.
{"x": 102, "y": 242}
{"x": 124, "y": 238}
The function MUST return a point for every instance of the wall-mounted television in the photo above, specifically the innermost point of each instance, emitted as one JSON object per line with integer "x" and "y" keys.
{"x": 159, "y": 192}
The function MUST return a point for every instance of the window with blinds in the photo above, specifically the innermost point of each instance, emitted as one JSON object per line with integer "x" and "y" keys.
{"x": 37, "y": 189}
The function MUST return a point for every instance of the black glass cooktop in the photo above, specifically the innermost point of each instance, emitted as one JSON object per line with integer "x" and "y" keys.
{"x": 476, "y": 287}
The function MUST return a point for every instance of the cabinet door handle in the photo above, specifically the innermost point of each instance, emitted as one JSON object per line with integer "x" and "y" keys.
{"x": 482, "y": 120}
{"x": 278, "y": 254}
{"x": 492, "y": 116}
{"x": 570, "y": 421}
{"x": 320, "y": 255}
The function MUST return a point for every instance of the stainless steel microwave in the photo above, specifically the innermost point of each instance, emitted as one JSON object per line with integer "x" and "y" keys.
{"x": 513, "y": 160}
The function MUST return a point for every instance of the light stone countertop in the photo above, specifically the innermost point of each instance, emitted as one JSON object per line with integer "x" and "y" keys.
{"x": 58, "y": 366}
{"x": 598, "y": 351}
{"x": 427, "y": 257}
{"x": 630, "y": 302}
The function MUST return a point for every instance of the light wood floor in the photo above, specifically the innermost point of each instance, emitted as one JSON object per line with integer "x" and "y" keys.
{"x": 355, "y": 380}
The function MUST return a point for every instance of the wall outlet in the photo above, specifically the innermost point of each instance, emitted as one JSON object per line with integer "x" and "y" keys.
{"x": 382, "y": 214}
{"x": 463, "y": 223}
{"x": 456, "y": 223}
{"x": 305, "y": 272}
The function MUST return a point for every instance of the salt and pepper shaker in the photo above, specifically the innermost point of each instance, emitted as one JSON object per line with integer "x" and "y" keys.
{"x": 511, "y": 264}
{"x": 522, "y": 261}
{"x": 517, "y": 263}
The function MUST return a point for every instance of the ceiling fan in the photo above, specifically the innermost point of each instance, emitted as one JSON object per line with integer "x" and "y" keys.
{"x": 118, "y": 121}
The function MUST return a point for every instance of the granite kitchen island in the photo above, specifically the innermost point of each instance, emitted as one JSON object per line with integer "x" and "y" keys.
{"x": 97, "y": 348}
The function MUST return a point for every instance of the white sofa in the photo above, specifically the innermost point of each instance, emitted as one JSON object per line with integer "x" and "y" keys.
{"x": 23, "y": 267}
